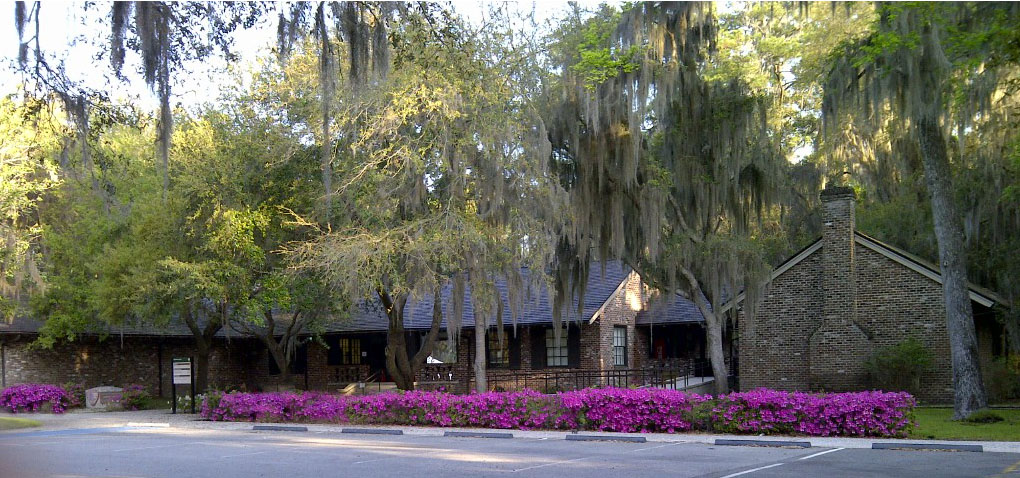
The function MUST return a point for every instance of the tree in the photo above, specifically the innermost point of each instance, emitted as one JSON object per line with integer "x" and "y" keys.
{"x": 165, "y": 34}
{"x": 29, "y": 144}
{"x": 918, "y": 58}
{"x": 666, "y": 168}
{"x": 441, "y": 182}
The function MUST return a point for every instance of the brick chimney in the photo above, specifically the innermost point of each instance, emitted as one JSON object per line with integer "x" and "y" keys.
{"x": 839, "y": 346}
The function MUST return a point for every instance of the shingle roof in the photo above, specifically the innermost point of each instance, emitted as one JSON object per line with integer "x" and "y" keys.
{"x": 537, "y": 309}
{"x": 679, "y": 310}
{"x": 369, "y": 316}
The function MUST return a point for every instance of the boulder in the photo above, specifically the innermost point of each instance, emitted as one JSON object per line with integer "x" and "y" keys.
{"x": 102, "y": 398}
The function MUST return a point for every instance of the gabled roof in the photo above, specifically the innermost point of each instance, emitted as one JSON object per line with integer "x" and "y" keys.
{"x": 978, "y": 294}
{"x": 678, "y": 310}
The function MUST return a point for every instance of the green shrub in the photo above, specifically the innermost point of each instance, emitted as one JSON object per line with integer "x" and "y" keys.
{"x": 1002, "y": 376}
{"x": 899, "y": 367}
{"x": 134, "y": 397}
{"x": 75, "y": 394}
{"x": 984, "y": 416}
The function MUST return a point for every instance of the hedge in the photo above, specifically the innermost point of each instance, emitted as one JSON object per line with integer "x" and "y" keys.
{"x": 762, "y": 411}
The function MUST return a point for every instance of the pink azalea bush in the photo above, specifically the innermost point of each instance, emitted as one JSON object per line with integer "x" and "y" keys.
{"x": 33, "y": 397}
{"x": 608, "y": 409}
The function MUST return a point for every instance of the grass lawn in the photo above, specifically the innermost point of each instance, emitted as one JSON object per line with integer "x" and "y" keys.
{"x": 937, "y": 424}
{"x": 10, "y": 423}
{"x": 157, "y": 403}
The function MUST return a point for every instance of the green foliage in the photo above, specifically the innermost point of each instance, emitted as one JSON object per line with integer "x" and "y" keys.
{"x": 599, "y": 59}
{"x": 984, "y": 416}
{"x": 1002, "y": 377}
{"x": 899, "y": 367}
{"x": 135, "y": 397}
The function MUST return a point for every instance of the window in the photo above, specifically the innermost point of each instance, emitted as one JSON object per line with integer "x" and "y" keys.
{"x": 344, "y": 351}
{"x": 498, "y": 350}
{"x": 620, "y": 345}
{"x": 444, "y": 350}
{"x": 556, "y": 353}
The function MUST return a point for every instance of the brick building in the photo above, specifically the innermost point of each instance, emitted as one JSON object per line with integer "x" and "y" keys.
{"x": 615, "y": 329}
{"x": 829, "y": 307}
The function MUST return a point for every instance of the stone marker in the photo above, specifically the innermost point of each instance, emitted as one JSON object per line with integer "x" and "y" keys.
{"x": 101, "y": 398}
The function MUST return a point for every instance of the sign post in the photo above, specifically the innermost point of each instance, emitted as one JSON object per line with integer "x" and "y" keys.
{"x": 183, "y": 370}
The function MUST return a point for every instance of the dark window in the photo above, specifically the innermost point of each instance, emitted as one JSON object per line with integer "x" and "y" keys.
{"x": 343, "y": 351}
{"x": 620, "y": 345}
{"x": 556, "y": 351}
{"x": 498, "y": 350}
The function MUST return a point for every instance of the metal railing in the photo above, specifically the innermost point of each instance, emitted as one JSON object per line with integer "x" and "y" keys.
{"x": 674, "y": 377}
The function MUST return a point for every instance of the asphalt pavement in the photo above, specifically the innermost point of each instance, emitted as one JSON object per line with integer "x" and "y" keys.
{"x": 238, "y": 451}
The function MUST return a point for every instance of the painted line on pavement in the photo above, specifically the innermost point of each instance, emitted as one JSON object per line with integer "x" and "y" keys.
{"x": 244, "y": 454}
{"x": 820, "y": 453}
{"x": 153, "y": 447}
{"x": 549, "y": 464}
{"x": 752, "y": 470}
{"x": 654, "y": 447}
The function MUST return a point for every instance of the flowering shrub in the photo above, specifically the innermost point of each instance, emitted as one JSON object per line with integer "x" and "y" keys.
{"x": 134, "y": 397}
{"x": 843, "y": 414}
{"x": 75, "y": 394}
{"x": 32, "y": 398}
{"x": 608, "y": 409}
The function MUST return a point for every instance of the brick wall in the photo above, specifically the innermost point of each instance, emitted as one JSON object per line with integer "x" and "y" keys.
{"x": 774, "y": 345}
{"x": 839, "y": 332}
{"x": 805, "y": 337}
{"x": 136, "y": 360}
{"x": 621, "y": 310}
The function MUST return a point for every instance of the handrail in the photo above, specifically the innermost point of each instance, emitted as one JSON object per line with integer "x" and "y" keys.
{"x": 676, "y": 377}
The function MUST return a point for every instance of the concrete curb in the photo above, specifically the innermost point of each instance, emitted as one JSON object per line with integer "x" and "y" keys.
{"x": 372, "y": 431}
{"x": 927, "y": 446}
{"x": 279, "y": 428}
{"x": 478, "y": 435}
{"x": 627, "y": 438}
{"x": 165, "y": 420}
{"x": 775, "y": 443}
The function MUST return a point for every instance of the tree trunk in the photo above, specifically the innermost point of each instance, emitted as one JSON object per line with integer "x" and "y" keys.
{"x": 481, "y": 385}
{"x": 401, "y": 368}
{"x": 203, "y": 345}
{"x": 715, "y": 353}
{"x": 202, "y": 353}
{"x": 276, "y": 350}
{"x": 713, "y": 329}
{"x": 967, "y": 383}
{"x": 397, "y": 364}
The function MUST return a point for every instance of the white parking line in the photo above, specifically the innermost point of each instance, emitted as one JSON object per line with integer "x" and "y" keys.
{"x": 821, "y": 453}
{"x": 550, "y": 464}
{"x": 754, "y": 470}
{"x": 152, "y": 447}
{"x": 244, "y": 454}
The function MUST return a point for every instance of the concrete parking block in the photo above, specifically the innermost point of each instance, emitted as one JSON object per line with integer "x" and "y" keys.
{"x": 927, "y": 446}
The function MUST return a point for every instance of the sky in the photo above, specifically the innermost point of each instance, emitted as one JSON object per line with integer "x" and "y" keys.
{"x": 67, "y": 23}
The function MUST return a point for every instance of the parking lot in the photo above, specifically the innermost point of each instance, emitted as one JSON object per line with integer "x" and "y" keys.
{"x": 175, "y": 452}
